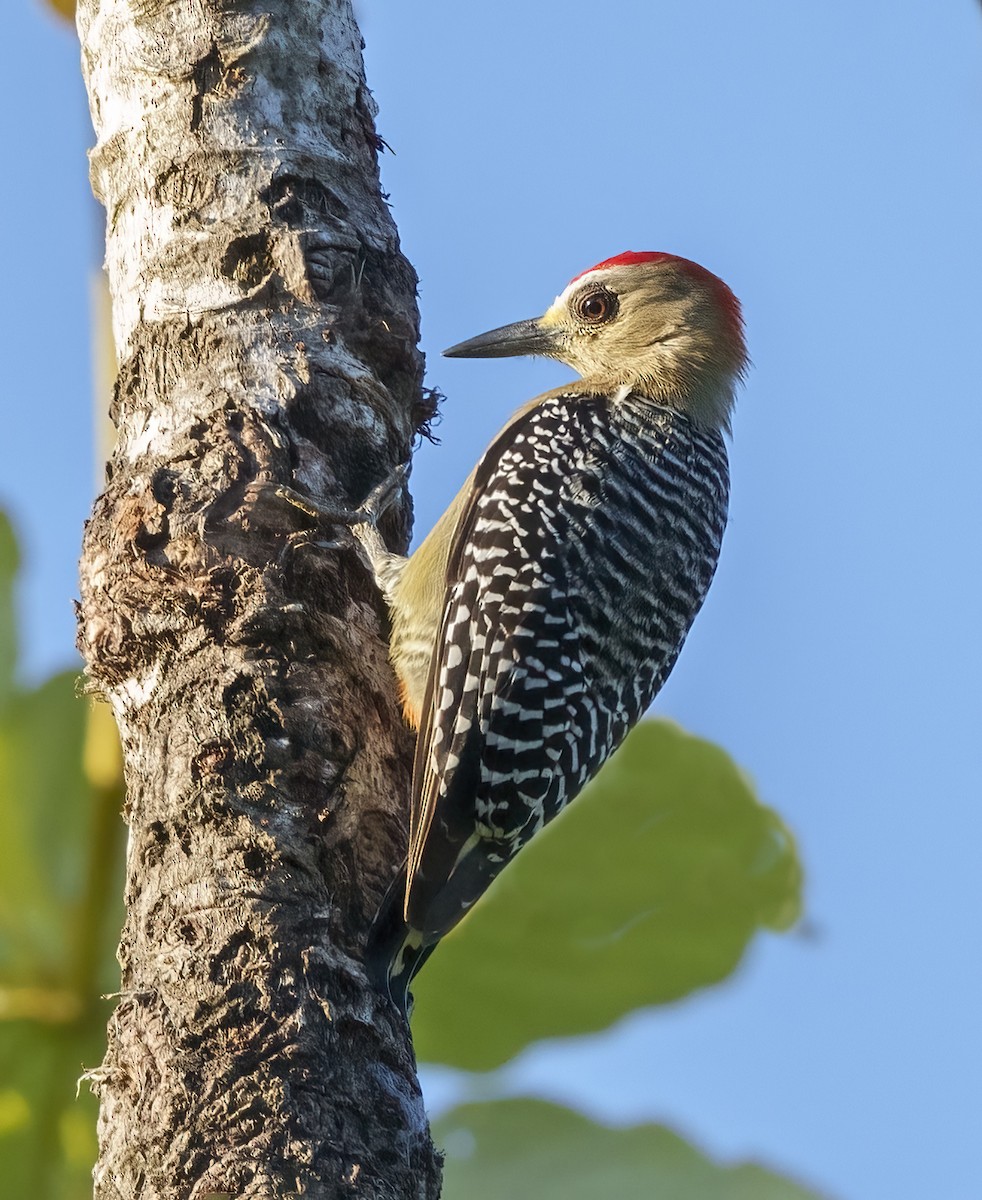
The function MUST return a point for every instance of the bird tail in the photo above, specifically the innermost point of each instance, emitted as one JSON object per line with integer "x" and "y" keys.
{"x": 395, "y": 950}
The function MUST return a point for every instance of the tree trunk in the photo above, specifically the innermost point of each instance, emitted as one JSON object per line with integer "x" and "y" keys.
{"x": 266, "y": 329}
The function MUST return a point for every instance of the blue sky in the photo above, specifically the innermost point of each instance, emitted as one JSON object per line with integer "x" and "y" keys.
{"x": 825, "y": 160}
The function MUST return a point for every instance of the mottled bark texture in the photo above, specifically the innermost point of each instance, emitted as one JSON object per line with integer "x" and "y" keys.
{"x": 266, "y": 330}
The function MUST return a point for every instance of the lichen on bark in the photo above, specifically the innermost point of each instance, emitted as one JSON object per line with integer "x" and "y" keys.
{"x": 266, "y": 330}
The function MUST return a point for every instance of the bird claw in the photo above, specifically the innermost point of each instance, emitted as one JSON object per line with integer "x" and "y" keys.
{"x": 379, "y": 500}
{"x": 304, "y": 537}
{"x": 263, "y": 492}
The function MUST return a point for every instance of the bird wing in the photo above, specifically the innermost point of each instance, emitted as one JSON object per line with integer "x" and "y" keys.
{"x": 485, "y": 682}
{"x": 446, "y": 673}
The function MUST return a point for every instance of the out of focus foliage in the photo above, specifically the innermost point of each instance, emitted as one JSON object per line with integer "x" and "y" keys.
{"x": 60, "y": 879}
{"x": 648, "y": 887}
{"x": 528, "y": 1148}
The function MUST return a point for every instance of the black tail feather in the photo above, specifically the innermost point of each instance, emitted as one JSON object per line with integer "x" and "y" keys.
{"x": 395, "y": 951}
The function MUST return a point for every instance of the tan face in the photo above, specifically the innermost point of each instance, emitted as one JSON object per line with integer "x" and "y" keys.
{"x": 659, "y": 325}
{"x": 651, "y": 323}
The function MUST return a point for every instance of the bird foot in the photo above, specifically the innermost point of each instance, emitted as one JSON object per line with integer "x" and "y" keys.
{"x": 263, "y": 493}
{"x": 362, "y": 521}
{"x": 380, "y": 499}
{"x": 375, "y": 505}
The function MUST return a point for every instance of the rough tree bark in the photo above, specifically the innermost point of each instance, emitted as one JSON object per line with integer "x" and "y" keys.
{"x": 266, "y": 329}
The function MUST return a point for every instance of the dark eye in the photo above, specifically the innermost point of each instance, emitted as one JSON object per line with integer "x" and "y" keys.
{"x": 594, "y": 306}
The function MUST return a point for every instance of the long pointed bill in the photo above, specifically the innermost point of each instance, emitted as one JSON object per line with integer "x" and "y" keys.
{"x": 524, "y": 337}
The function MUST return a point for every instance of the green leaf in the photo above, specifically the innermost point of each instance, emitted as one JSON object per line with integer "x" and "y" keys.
{"x": 528, "y": 1148}
{"x": 47, "y": 1132}
{"x": 59, "y": 884}
{"x": 45, "y": 813}
{"x": 9, "y": 561}
{"x": 649, "y": 887}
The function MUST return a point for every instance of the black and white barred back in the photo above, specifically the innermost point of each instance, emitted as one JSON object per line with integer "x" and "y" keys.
{"x": 590, "y": 542}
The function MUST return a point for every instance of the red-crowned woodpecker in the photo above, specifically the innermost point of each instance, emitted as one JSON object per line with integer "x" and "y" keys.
{"x": 540, "y": 617}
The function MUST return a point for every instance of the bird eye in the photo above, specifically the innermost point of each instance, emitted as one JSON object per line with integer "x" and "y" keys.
{"x": 594, "y": 306}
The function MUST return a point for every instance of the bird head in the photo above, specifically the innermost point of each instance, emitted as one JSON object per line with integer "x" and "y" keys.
{"x": 657, "y": 324}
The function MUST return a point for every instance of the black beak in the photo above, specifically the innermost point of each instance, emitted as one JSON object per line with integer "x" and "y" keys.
{"x": 523, "y": 337}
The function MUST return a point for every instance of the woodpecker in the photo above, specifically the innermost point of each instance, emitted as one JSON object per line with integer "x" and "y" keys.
{"x": 540, "y": 617}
